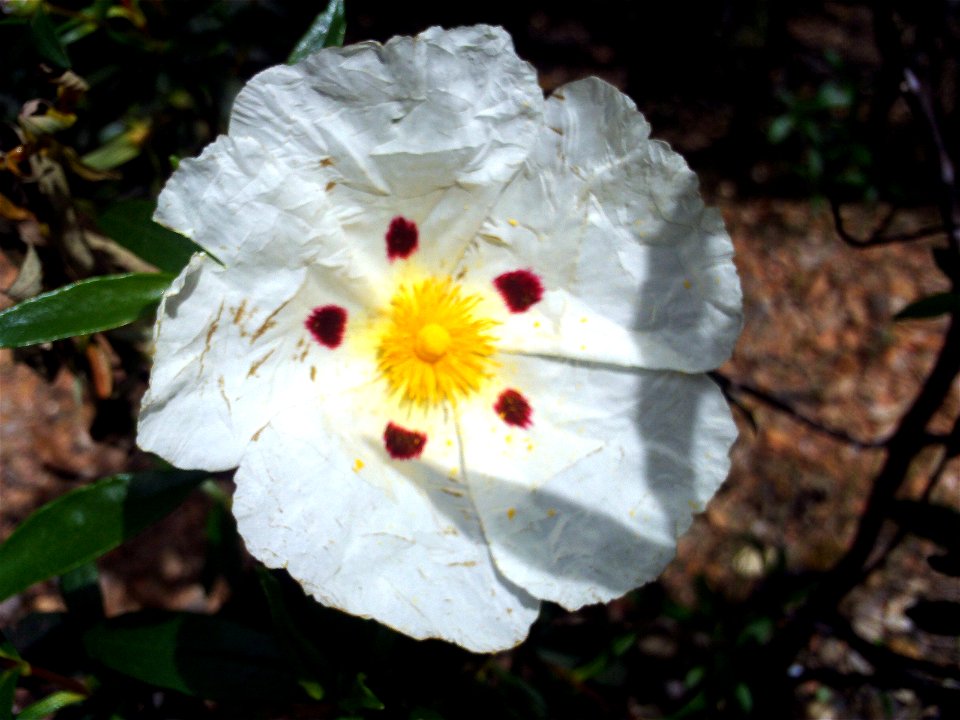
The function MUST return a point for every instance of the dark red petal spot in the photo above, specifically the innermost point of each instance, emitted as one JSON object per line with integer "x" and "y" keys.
{"x": 513, "y": 409}
{"x": 403, "y": 444}
{"x": 327, "y": 324}
{"x": 520, "y": 289}
{"x": 401, "y": 238}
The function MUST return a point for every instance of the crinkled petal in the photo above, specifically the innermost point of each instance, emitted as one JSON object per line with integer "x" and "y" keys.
{"x": 615, "y": 225}
{"x": 395, "y": 541}
{"x": 406, "y": 118}
{"x": 654, "y": 448}
{"x": 238, "y": 202}
{"x": 232, "y": 350}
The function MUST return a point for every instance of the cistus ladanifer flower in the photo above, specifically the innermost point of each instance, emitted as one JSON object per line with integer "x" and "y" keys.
{"x": 457, "y": 342}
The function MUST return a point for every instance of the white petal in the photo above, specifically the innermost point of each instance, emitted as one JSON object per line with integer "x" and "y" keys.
{"x": 231, "y": 351}
{"x": 642, "y": 450}
{"x": 614, "y": 225}
{"x": 238, "y": 202}
{"x": 397, "y": 541}
{"x": 406, "y": 118}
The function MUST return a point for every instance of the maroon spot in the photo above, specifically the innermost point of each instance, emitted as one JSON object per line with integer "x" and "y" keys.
{"x": 513, "y": 409}
{"x": 401, "y": 238}
{"x": 327, "y": 324}
{"x": 403, "y": 444}
{"x": 520, "y": 289}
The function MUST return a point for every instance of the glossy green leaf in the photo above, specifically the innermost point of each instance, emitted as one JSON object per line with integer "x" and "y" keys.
{"x": 194, "y": 654}
{"x": 46, "y": 40}
{"x": 130, "y": 223}
{"x": 89, "y": 306}
{"x": 930, "y": 306}
{"x": 86, "y": 523}
{"x": 327, "y": 30}
{"x": 50, "y": 704}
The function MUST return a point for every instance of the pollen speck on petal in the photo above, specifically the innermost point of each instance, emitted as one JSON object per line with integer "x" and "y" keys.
{"x": 520, "y": 289}
{"x": 513, "y": 409}
{"x": 327, "y": 325}
{"x": 403, "y": 444}
{"x": 402, "y": 238}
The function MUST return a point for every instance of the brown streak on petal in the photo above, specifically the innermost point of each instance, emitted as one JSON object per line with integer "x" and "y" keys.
{"x": 221, "y": 383}
{"x": 331, "y": 185}
{"x": 239, "y": 313}
{"x": 558, "y": 131}
{"x": 313, "y": 372}
{"x": 326, "y": 162}
{"x": 210, "y": 332}
{"x": 455, "y": 493}
{"x": 467, "y": 563}
{"x": 258, "y": 363}
{"x": 256, "y": 435}
{"x": 267, "y": 324}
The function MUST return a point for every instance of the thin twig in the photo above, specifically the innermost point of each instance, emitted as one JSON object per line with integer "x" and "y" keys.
{"x": 730, "y": 387}
{"x": 877, "y": 237}
{"x": 26, "y": 669}
{"x": 919, "y": 97}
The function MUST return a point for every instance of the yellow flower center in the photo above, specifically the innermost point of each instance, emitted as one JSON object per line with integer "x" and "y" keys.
{"x": 432, "y": 348}
{"x": 432, "y": 343}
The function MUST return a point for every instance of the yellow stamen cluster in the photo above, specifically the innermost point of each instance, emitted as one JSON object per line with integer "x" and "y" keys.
{"x": 432, "y": 348}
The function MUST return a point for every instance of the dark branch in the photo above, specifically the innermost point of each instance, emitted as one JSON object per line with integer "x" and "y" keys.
{"x": 732, "y": 388}
{"x": 877, "y": 237}
{"x": 932, "y": 481}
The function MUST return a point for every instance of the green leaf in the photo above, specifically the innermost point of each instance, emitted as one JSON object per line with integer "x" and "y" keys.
{"x": 8, "y": 679}
{"x": 75, "y": 30}
{"x": 113, "y": 153}
{"x": 930, "y": 306}
{"x": 46, "y": 39}
{"x": 89, "y": 306}
{"x": 306, "y": 659}
{"x": 50, "y": 704}
{"x": 780, "y": 129}
{"x": 193, "y": 654}
{"x": 361, "y": 697}
{"x": 80, "y": 589}
{"x": 327, "y": 30}
{"x": 834, "y": 96}
{"x": 130, "y": 223}
{"x": 88, "y": 522}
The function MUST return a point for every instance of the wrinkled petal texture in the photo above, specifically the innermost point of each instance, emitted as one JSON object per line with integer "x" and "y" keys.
{"x": 640, "y": 273}
{"x": 625, "y": 441}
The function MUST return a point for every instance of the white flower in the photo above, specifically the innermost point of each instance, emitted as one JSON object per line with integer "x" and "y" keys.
{"x": 456, "y": 344}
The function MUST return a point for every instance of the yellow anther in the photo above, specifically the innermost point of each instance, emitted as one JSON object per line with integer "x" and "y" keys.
{"x": 432, "y": 342}
{"x": 434, "y": 346}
